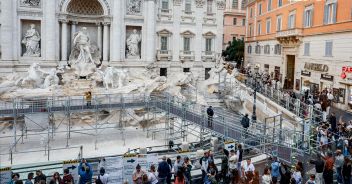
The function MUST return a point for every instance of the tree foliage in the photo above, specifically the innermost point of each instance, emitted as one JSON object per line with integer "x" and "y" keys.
{"x": 234, "y": 52}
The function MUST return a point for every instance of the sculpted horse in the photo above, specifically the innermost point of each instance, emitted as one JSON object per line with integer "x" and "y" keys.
{"x": 35, "y": 77}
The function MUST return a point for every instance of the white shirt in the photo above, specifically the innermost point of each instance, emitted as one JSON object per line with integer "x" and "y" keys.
{"x": 330, "y": 96}
{"x": 266, "y": 179}
{"x": 297, "y": 176}
{"x": 152, "y": 178}
{"x": 104, "y": 178}
{"x": 247, "y": 167}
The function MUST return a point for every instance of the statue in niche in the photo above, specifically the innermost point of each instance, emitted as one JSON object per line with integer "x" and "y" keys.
{"x": 133, "y": 44}
{"x": 30, "y": 2}
{"x": 84, "y": 56}
{"x": 134, "y": 7}
{"x": 31, "y": 41}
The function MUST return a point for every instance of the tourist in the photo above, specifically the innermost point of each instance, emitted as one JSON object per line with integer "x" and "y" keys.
{"x": 19, "y": 182}
{"x": 67, "y": 179}
{"x": 285, "y": 174}
{"x": 85, "y": 172}
{"x": 88, "y": 97}
{"x": 210, "y": 113}
{"x": 297, "y": 175}
{"x": 152, "y": 176}
{"x": 311, "y": 179}
{"x": 346, "y": 171}
{"x": 137, "y": 175}
{"x": 319, "y": 168}
{"x": 224, "y": 164}
{"x": 29, "y": 178}
{"x": 164, "y": 171}
{"x": 179, "y": 177}
{"x": 211, "y": 178}
{"x": 245, "y": 122}
{"x": 256, "y": 178}
{"x": 178, "y": 164}
{"x": 56, "y": 179}
{"x": 187, "y": 166}
{"x": 332, "y": 121}
{"x": 266, "y": 178}
{"x": 39, "y": 177}
{"x": 239, "y": 155}
{"x": 204, "y": 162}
{"x": 168, "y": 178}
{"x": 339, "y": 160}
{"x": 247, "y": 167}
{"x": 235, "y": 177}
{"x": 346, "y": 148}
{"x": 103, "y": 178}
{"x": 275, "y": 165}
{"x": 329, "y": 168}
{"x": 145, "y": 179}
{"x": 212, "y": 167}
{"x": 14, "y": 177}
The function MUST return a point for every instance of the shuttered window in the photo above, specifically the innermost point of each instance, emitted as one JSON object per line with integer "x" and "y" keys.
{"x": 279, "y": 3}
{"x": 259, "y": 9}
{"x": 208, "y": 44}
{"x": 243, "y": 22}
{"x": 249, "y": 49}
{"x": 186, "y": 44}
{"x": 268, "y": 26}
{"x": 328, "y": 48}
{"x": 277, "y": 49}
{"x": 269, "y": 5}
{"x": 259, "y": 28}
{"x": 163, "y": 41}
{"x": 165, "y": 4}
{"x": 278, "y": 23}
{"x": 308, "y": 16}
{"x": 330, "y": 12}
{"x": 291, "y": 20}
{"x": 235, "y": 4}
{"x": 267, "y": 49}
{"x": 234, "y": 21}
{"x": 188, "y": 6}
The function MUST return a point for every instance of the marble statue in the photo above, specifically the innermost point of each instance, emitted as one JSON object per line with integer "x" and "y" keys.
{"x": 84, "y": 56}
{"x": 31, "y": 42}
{"x": 134, "y": 7}
{"x": 35, "y": 77}
{"x": 51, "y": 79}
{"x": 30, "y": 2}
{"x": 133, "y": 43}
{"x": 116, "y": 78}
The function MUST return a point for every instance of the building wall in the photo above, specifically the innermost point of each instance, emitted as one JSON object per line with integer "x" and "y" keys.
{"x": 293, "y": 42}
{"x": 234, "y": 9}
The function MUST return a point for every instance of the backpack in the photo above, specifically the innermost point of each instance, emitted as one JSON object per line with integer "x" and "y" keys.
{"x": 98, "y": 181}
{"x": 245, "y": 122}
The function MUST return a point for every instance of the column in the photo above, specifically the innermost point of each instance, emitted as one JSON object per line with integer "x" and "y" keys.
{"x": 105, "y": 42}
{"x": 63, "y": 40}
{"x": 7, "y": 30}
{"x": 150, "y": 40}
{"x": 73, "y": 30}
{"x": 99, "y": 38}
{"x": 50, "y": 34}
{"x": 117, "y": 31}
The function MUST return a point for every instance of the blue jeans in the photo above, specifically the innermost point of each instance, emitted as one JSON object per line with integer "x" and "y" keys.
{"x": 339, "y": 174}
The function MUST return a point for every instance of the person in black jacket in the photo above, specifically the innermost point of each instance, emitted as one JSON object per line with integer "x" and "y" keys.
{"x": 332, "y": 121}
{"x": 346, "y": 170}
{"x": 285, "y": 174}
{"x": 319, "y": 168}
{"x": 164, "y": 171}
{"x": 210, "y": 113}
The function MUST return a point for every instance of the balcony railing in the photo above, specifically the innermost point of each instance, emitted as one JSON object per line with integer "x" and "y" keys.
{"x": 208, "y": 56}
{"x": 164, "y": 55}
{"x": 186, "y": 55}
{"x": 289, "y": 33}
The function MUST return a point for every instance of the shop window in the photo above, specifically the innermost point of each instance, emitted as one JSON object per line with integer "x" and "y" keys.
{"x": 163, "y": 72}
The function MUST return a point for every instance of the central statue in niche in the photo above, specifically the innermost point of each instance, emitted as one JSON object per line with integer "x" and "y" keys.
{"x": 84, "y": 56}
{"x": 133, "y": 44}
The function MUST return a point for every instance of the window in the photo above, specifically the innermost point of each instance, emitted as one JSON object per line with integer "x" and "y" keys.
{"x": 188, "y": 6}
{"x": 267, "y": 49}
{"x": 243, "y": 22}
{"x": 186, "y": 44}
{"x": 207, "y": 75}
{"x": 269, "y": 5}
{"x": 291, "y": 20}
{"x": 330, "y": 12}
{"x": 259, "y": 9}
{"x": 250, "y": 30}
{"x": 163, "y": 72}
{"x": 209, "y": 6}
{"x": 243, "y": 5}
{"x": 308, "y": 16}
{"x": 279, "y": 3}
{"x": 278, "y": 23}
{"x": 234, "y": 4}
{"x": 234, "y": 21}
{"x": 257, "y": 49}
{"x": 208, "y": 44}
{"x": 268, "y": 26}
{"x": 328, "y": 48}
{"x": 163, "y": 41}
{"x": 306, "y": 49}
{"x": 164, "y": 4}
{"x": 259, "y": 28}
{"x": 186, "y": 70}
{"x": 277, "y": 49}
{"x": 249, "y": 49}
{"x": 251, "y": 12}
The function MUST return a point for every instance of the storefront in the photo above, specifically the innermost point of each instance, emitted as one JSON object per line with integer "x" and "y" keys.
{"x": 305, "y": 82}
{"x": 346, "y": 77}
{"x": 326, "y": 82}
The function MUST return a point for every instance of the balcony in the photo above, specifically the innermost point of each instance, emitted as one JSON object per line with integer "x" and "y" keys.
{"x": 290, "y": 38}
{"x": 208, "y": 56}
{"x": 186, "y": 55}
{"x": 187, "y": 16}
{"x": 165, "y": 14}
{"x": 164, "y": 55}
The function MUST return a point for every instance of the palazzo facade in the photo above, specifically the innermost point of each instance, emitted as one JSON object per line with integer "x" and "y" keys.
{"x": 176, "y": 35}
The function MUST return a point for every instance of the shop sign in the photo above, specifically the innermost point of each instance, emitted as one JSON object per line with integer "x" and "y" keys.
{"x": 316, "y": 67}
{"x": 345, "y": 69}
{"x": 327, "y": 77}
{"x": 305, "y": 73}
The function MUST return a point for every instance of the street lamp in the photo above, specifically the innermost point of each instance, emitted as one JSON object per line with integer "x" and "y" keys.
{"x": 254, "y": 116}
